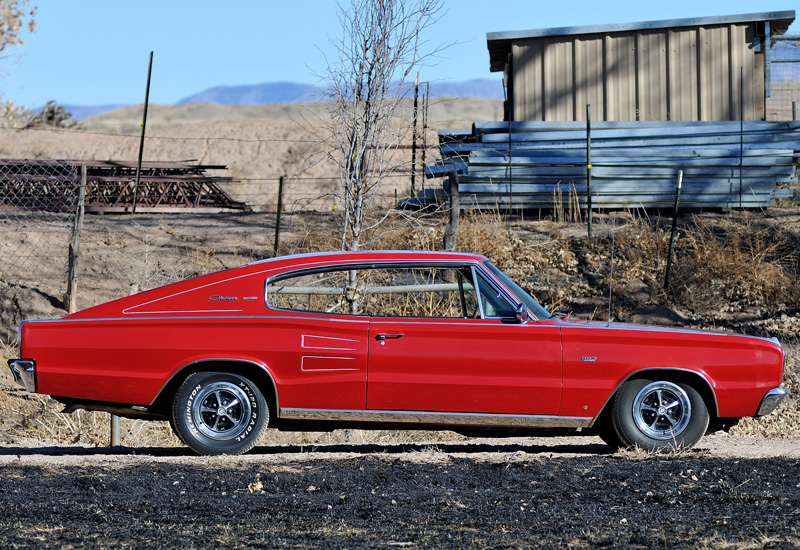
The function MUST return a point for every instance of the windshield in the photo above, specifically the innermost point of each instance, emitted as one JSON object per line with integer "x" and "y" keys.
{"x": 537, "y": 310}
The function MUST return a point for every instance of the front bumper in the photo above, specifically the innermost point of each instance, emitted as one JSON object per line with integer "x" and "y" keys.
{"x": 770, "y": 401}
{"x": 24, "y": 372}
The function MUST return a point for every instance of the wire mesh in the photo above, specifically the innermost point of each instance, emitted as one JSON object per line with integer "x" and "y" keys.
{"x": 38, "y": 201}
{"x": 784, "y": 79}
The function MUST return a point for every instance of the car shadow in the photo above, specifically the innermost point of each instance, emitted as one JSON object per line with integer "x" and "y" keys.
{"x": 350, "y": 448}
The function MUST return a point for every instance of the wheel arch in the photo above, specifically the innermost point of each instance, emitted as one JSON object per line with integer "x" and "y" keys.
{"x": 693, "y": 378}
{"x": 256, "y": 372}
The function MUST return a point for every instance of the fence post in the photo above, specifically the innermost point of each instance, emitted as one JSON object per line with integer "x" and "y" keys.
{"x": 278, "y": 217}
{"x": 414, "y": 138}
{"x": 70, "y": 299}
{"x": 674, "y": 229}
{"x": 589, "y": 167}
{"x": 141, "y": 142}
{"x": 115, "y": 428}
{"x": 114, "y": 431}
{"x": 451, "y": 230}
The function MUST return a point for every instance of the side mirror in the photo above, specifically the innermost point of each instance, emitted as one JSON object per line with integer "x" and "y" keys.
{"x": 521, "y": 313}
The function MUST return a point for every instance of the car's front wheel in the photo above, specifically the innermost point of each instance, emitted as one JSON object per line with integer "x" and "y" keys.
{"x": 219, "y": 413}
{"x": 659, "y": 415}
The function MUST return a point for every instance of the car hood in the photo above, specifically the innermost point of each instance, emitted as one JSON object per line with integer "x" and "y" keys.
{"x": 650, "y": 328}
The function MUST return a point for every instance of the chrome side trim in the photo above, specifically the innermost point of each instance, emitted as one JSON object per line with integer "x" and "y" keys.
{"x": 199, "y": 318}
{"x": 771, "y": 401}
{"x": 481, "y": 420}
{"x": 24, "y": 372}
{"x": 329, "y": 340}
{"x": 666, "y": 330}
{"x": 305, "y": 366}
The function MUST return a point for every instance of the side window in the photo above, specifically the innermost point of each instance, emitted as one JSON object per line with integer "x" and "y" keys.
{"x": 493, "y": 303}
{"x": 320, "y": 292}
{"x": 421, "y": 292}
{"x": 385, "y": 292}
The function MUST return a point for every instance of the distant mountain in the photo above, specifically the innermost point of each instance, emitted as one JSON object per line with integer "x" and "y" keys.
{"x": 256, "y": 94}
{"x": 482, "y": 89}
{"x": 293, "y": 92}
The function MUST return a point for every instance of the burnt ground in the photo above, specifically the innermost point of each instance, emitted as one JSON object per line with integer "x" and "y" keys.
{"x": 482, "y": 494}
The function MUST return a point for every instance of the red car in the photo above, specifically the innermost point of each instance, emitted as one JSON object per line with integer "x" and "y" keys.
{"x": 411, "y": 340}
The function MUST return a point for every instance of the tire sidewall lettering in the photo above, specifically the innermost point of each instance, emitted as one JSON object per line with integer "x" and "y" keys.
{"x": 188, "y": 410}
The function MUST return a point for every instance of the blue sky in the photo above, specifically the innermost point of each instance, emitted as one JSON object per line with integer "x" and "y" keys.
{"x": 93, "y": 52}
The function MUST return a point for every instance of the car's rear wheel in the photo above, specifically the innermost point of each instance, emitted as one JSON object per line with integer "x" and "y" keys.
{"x": 219, "y": 413}
{"x": 659, "y": 415}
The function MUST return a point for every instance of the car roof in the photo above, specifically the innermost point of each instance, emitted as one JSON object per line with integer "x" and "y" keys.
{"x": 377, "y": 255}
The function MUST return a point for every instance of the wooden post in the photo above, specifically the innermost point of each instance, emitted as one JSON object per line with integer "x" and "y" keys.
{"x": 414, "y": 138}
{"x": 70, "y": 298}
{"x": 674, "y": 229}
{"x": 424, "y": 131}
{"x": 278, "y": 217}
{"x": 451, "y": 230}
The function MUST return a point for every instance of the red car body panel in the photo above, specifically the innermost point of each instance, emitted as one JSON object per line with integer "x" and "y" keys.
{"x": 127, "y": 351}
{"x": 452, "y": 366}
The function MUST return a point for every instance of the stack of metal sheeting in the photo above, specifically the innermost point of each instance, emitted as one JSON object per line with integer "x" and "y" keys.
{"x": 633, "y": 164}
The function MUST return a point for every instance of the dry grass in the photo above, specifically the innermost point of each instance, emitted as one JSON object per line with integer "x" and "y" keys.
{"x": 732, "y": 264}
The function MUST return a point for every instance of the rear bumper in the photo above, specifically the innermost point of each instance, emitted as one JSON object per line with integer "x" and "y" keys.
{"x": 770, "y": 401}
{"x": 24, "y": 372}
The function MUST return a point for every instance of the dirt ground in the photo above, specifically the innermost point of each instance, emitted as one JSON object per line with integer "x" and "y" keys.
{"x": 730, "y": 492}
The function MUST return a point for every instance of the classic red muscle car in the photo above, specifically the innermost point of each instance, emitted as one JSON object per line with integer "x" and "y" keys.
{"x": 410, "y": 340}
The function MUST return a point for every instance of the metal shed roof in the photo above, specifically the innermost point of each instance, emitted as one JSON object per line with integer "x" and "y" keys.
{"x": 499, "y": 43}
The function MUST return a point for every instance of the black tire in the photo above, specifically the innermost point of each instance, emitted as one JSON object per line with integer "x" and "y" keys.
{"x": 175, "y": 429}
{"x": 659, "y": 415}
{"x": 608, "y": 434}
{"x": 218, "y": 413}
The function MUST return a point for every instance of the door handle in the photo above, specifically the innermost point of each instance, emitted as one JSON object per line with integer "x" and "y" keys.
{"x": 383, "y": 336}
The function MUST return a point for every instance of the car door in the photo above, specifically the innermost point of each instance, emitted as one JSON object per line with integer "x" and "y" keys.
{"x": 483, "y": 361}
{"x": 317, "y": 347}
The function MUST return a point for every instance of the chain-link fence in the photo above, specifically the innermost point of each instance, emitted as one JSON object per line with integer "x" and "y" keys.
{"x": 38, "y": 201}
{"x": 784, "y": 93}
{"x": 309, "y": 194}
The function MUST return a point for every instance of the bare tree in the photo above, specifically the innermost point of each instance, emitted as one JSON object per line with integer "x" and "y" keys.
{"x": 15, "y": 15}
{"x": 379, "y": 49}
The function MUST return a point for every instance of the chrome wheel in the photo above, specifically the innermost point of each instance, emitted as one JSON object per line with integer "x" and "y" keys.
{"x": 218, "y": 413}
{"x": 221, "y": 411}
{"x": 662, "y": 410}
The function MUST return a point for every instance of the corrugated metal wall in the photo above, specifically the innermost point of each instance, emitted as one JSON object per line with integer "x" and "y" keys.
{"x": 691, "y": 74}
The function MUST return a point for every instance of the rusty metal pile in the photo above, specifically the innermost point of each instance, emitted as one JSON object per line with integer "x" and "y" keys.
{"x": 111, "y": 187}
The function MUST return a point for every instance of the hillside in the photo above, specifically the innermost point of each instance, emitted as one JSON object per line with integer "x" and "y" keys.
{"x": 258, "y": 143}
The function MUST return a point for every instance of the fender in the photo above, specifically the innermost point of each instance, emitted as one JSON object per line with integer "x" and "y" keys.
{"x": 636, "y": 374}
{"x": 179, "y": 375}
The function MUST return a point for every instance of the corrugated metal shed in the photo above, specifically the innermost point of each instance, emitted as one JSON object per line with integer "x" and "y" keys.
{"x": 699, "y": 69}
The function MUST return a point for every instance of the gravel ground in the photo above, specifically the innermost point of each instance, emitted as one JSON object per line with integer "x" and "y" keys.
{"x": 729, "y": 492}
